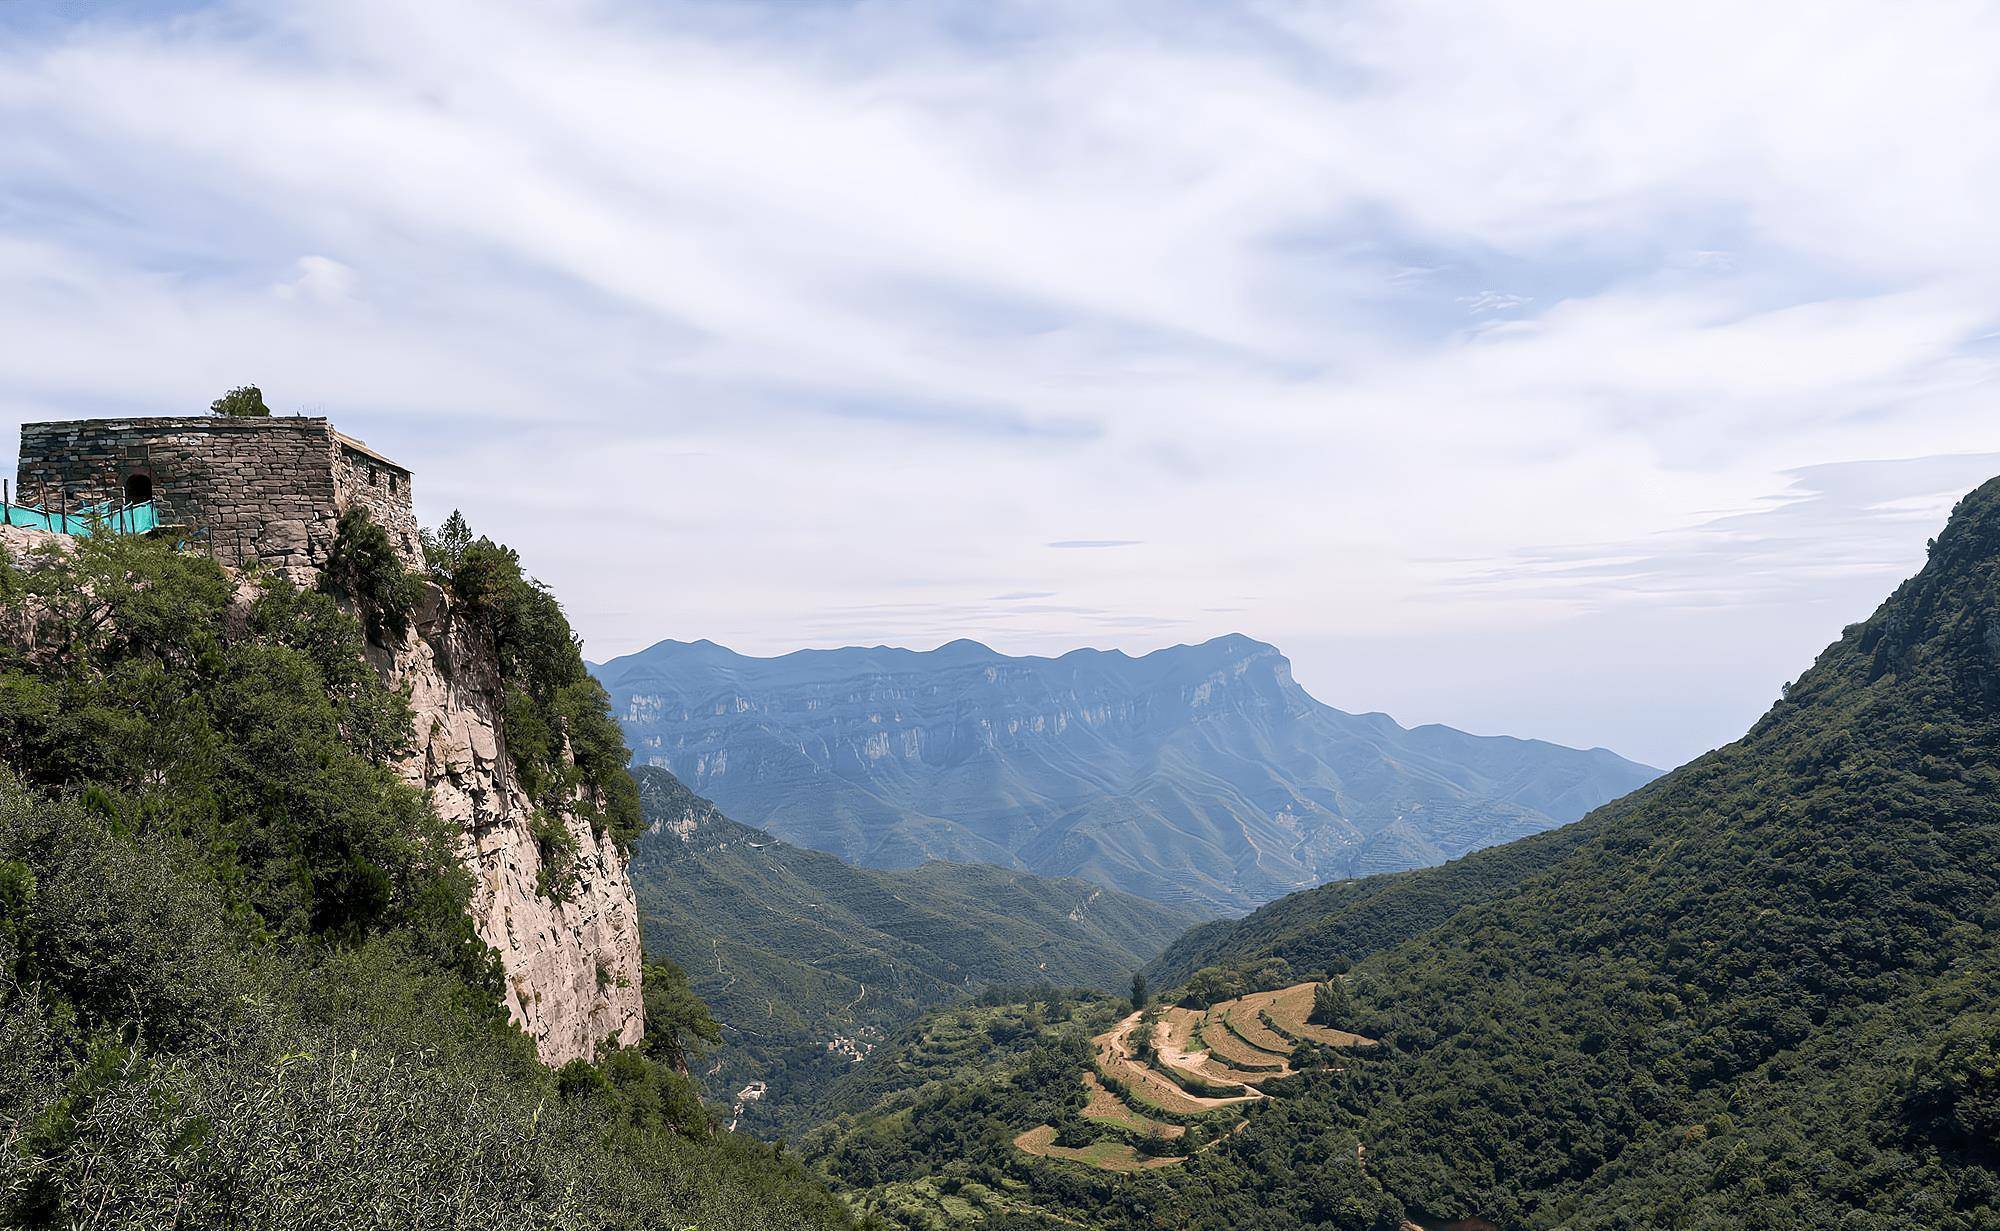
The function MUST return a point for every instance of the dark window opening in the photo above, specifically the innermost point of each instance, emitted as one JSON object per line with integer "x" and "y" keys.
{"x": 374, "y": 477}
{"x": 138, "y": 488}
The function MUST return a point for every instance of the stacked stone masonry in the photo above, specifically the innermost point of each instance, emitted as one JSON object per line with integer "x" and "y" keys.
{"x": 263, "y": 491}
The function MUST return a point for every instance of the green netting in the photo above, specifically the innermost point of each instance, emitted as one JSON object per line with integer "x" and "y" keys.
{"x": 92, "y": 519}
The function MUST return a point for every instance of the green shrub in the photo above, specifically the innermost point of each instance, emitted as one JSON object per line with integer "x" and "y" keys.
{"x": 242, "y": 402}
{"x": 555, "y": 873}
{"x": 560, "y": 734}
{"x": 363, "y": 565}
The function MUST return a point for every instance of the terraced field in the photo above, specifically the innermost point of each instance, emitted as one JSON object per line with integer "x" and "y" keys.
{"x": 1227, "y": 1046}
{"x": 1287, "y": 1013}
{"x": 1103, "y": 1155}
{"x": 1243, "y": 1018}
{"x": 1107, "y": 1108}
{"x": 1202, "y": 1067}
{"x": 1118, "y": 1062}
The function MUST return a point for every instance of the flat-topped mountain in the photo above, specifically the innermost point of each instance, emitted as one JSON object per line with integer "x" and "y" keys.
{"x": 1199, "y": 775}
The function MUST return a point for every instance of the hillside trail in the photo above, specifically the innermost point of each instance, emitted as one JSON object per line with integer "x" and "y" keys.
{"x": 715, "y": 947}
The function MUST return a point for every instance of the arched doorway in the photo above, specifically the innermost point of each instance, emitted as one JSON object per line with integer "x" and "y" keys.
{"x": 138, "y": 488}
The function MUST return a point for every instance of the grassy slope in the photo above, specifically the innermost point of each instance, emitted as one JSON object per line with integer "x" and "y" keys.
{"x": 1315, "y": 929}
{"x": 793, "y": 947}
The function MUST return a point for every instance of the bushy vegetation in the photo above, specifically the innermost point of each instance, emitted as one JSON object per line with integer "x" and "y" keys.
{"x": 1214, "y": 984}
{"x": 559, "y": 732}
{"x": 363, "y": 566}
{"x": 242, "y": 402}
{"x": 238, "y": 982}
{"x": 947, "y": 1097}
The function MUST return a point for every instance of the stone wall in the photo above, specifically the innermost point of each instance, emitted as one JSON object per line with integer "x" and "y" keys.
{"x": 267, "y": 491}
{"x": 363, "y": 478}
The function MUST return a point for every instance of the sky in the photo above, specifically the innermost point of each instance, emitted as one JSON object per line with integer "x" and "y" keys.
{"x": 1564, "y": 370}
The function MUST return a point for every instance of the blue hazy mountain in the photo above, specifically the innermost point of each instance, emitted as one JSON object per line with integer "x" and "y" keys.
{"x": 1197, "y": 775}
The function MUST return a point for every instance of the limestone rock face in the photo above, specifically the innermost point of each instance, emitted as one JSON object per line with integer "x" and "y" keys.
{"x": 572, "y": 966}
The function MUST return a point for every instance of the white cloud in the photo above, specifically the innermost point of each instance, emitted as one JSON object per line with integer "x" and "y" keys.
{"x": 318, "y": 278}
{"x": 776, "y": 323}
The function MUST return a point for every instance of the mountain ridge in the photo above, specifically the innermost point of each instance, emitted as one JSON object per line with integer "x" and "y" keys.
{"x": 1202, "y": 775}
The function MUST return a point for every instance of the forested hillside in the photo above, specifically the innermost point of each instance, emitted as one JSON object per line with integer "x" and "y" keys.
{"x": 238, "y": 983}
{"x": 1340, "y": 923}
{"x": 1763, "y": 992}
{"x": 809, "y": 962}
{"x": 1199, "y": 775}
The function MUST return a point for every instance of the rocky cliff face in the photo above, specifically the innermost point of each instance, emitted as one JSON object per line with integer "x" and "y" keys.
{"x": 572, "y": 966}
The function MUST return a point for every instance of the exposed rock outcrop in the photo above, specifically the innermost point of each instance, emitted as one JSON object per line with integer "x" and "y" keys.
{"x": 572, "y": 966}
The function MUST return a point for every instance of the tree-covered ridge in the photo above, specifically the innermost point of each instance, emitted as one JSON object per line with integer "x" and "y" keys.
{"x": 1759, "y": 993}
{"x": 238, "y": 983}
{"x": 796, "y": 949}
{"x": 1337, "y": 924}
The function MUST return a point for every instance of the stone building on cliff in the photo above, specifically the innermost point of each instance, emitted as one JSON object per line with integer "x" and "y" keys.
{"x": 271, "y": 492}
{"x": 267, "y": 491}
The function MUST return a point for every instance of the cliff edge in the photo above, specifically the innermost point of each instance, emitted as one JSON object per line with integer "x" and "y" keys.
{"x": 572, "y": 960}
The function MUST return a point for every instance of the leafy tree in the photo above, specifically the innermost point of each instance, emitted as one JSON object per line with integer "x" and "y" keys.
{"x": 1140, "y": 996}
{"x": 242, "y": 402}
{"x": 363, "y": 565}
{"x": 560, "y": 733}
{"x": 1331, "y": 1006}
{"x": 678, "y": 1024}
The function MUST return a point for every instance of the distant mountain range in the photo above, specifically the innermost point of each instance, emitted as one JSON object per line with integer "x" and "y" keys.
{"x": 808, "y": 962}
{"x": 1201, "y": 776}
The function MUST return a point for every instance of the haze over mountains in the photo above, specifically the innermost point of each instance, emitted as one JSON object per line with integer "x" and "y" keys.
{"x": 1201, "y": 776}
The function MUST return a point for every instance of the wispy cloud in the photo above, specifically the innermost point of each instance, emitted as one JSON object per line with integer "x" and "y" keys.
{"x": 1865, "y": 519}
{"x": 813, "y": 304}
